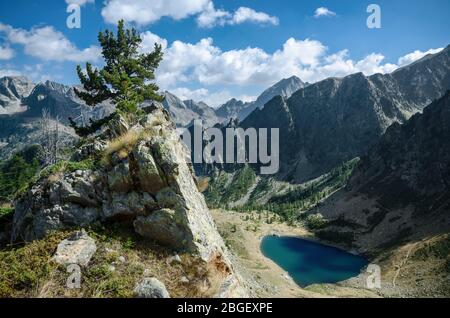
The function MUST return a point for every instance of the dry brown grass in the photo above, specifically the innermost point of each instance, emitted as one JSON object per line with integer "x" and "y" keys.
{"x": 28, "y": 277}
{"x": 123, "y": 143}
{"x": 202, "y": 184}
{"x": 55, "y": 177}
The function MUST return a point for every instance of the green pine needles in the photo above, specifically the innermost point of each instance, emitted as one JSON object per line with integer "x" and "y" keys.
{"x": 127, "y": 78}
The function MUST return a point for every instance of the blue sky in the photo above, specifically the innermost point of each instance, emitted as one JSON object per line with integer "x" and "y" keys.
{"x": 218, "y": 49}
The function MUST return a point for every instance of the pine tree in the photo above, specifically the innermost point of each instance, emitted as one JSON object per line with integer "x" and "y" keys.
{"x": 127, "y": 79}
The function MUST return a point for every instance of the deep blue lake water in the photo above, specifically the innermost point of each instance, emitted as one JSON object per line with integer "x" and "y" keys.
{"x": 309, "y": 262}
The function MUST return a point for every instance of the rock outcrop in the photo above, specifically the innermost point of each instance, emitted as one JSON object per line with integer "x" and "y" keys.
{"x": 143, "y": 177}
{"x": 12, "y": 91}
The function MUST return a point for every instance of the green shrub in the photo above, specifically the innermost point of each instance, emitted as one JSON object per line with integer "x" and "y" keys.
{"x": 88, "y": 164}
{"x": 68, "y": 166}
{"x": 240, "y": 185}
{"x": 16, "y": 174}
{"x": 6, "y": 212}
{"x": 316, "y": 222}
{"x": 24, "y": 269}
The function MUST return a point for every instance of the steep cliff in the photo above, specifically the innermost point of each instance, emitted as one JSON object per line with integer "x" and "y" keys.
{"x": 400, "y": 191}
{"x": 338, "y": 119}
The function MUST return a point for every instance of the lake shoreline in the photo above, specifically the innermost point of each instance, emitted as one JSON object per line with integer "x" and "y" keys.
{"x": 310, "y": 262}
{"x": 264, "y": 277}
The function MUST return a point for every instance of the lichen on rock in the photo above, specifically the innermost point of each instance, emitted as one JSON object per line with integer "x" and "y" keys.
{"x": 147, "y": 179}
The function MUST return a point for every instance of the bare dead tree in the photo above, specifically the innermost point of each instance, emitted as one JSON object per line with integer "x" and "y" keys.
{"x": 45, "y": 130}
{"x": 55, "y": 141}
{"x": 50, "y": 137}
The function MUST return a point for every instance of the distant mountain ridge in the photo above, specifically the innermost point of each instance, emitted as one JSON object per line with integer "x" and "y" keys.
{"x": 24, "y": 102}
{"x": 12, "y": 91}
{"x": 185, "y": 112}
{"x": 337, "y": 119}
{"x": 239, "y": 110}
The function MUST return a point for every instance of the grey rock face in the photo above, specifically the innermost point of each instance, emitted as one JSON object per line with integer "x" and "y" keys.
{"x": 148, "y": 173}
{"x": 338, "y": 119}
{"x": 69, "y": 202}
{"x": 185, "y": 112}
{"x": 76, "y": 188}
{"x": 77, "y": 249}
{"x": 12, "y": 91}
{"x": 151, "y": 288}
{"x": 163, "y": 226}
{"x": 401, "y": 188}
{"x": 119, "y": 178}
{"x": 130, "y": 204}
{"x": 235, "y": 109}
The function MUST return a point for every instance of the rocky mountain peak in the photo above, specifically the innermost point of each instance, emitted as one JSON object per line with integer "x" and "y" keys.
{"x": 12, "y": 90}
{"x": 240, "y": 110}
{"x": 185, "y": 112}
{"x": 338, "y": 119}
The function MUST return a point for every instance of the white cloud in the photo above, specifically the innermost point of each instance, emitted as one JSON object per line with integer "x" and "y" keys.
{"x": 9, "y": 72}
{"x": 211, "y": 17}
{"x": 206, "y": 66}
{"x": 149, "y": 40}
{"x": 324, "y": 12}
{"x": 6, "y": 53}
{"x": 48, "y": 44}
{"x": 416, "y": 55}
{"x": 79, "y": 2}
{"x": 244, "y": 14}
{"x": 149, "y": 11}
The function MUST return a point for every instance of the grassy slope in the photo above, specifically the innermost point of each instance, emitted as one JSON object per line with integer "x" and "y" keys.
{"x": 226, "y": 188}
{"x": 28, "y": 271}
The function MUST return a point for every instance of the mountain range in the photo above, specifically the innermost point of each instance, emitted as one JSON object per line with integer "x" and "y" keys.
{"x": 22, "y": 102}
{"x": 335, "y": 120}
{"x": 321, "y": 124}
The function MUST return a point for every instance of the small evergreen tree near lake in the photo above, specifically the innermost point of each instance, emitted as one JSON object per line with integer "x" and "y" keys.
{"x": 127, "y": 78}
